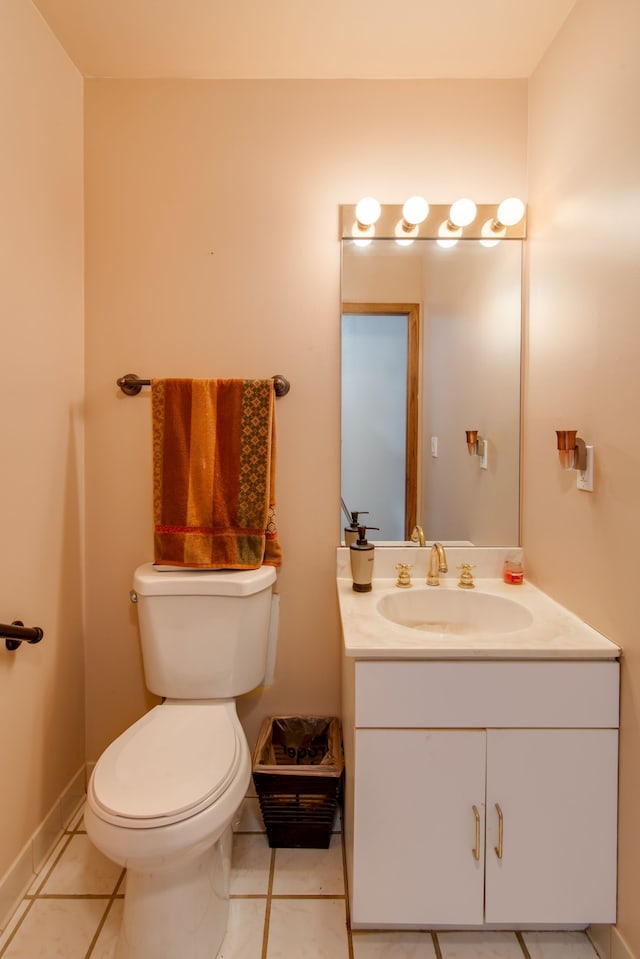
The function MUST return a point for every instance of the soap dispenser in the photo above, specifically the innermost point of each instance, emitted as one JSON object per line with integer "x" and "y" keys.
{"x": 361, "y": 554}
{"x": 351, "y": 531}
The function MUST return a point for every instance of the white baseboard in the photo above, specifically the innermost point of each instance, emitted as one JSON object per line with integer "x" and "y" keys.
{"x": 608, "y": 943}
{"x": 33, "y": 855}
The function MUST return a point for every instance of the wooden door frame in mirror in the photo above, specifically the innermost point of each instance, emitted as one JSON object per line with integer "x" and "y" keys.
{"x": 412, "y": 313}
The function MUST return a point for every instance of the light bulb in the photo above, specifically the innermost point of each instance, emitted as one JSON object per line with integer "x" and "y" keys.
{"x": 462, "y": 212}
{"x": 510, "y": 211}
{"x": 367, "y": 211}
{"x": 415, "y": 210}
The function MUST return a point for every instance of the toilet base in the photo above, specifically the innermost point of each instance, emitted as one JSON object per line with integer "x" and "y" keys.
{"x": 178, "y": 911}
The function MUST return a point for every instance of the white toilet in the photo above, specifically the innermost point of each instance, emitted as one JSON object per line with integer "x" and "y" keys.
{"x": 163, "y": 795}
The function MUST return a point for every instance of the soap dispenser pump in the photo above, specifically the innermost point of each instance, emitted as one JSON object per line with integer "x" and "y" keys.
{"x": 351, "y": 531}
{"x": 361, "y": 554}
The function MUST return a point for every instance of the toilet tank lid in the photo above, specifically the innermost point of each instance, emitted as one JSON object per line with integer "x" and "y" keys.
{"x": 150, "y": 580}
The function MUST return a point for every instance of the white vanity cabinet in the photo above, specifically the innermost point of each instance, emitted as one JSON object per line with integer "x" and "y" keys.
{"x": 481, "y": 793}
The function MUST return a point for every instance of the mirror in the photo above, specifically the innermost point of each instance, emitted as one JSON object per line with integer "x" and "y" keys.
{"x": 409, "y": 398}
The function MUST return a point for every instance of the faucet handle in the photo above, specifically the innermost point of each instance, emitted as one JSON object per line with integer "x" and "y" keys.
{"x": 466, "y": 576}
{"x": 404, "y": 576}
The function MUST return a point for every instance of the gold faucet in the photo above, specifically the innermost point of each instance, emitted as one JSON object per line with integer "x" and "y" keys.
{"x": 418, "y": 536}
{"x": 437, "y": 564}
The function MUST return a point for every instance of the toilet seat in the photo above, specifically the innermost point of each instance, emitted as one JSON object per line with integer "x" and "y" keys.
{"x": 171, "y": 764}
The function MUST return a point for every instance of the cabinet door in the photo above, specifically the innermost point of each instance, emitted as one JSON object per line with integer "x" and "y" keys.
{"x": 415, "y": 834}
{"x": 557, "y": 794}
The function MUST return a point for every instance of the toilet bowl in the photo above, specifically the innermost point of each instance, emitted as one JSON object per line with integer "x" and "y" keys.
{"x": 160, "y": 803}
{"x": 163, "y": 795}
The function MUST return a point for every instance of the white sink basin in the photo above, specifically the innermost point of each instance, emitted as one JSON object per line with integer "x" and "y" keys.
{"x": 456, "y": 611}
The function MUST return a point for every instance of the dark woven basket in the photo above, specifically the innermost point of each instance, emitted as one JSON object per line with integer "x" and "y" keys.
{"x": 297, "y": 771}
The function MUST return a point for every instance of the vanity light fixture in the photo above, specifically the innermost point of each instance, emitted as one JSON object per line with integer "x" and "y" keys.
{"x": 416, "y": 219}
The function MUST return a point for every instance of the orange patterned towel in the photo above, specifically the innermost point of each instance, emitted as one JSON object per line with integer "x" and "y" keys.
{"x": 214, "y": 473}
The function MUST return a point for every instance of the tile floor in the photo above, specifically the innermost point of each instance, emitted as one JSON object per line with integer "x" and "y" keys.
{"x": 285, "y": 904}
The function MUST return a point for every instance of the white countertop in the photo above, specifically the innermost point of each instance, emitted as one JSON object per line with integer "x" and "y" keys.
{"x": 555, "y": 633}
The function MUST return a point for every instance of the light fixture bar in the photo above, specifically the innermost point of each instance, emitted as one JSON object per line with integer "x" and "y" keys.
{"x": 392, "y": 214}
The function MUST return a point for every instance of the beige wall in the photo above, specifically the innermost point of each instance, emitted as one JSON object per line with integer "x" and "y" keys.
{"x": 584, "y": 356}
{"x": 212, "y": 250}
{"x": 41, "y": 267}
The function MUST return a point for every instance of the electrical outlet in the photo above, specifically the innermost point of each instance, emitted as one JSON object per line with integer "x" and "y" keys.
{"x": 484, "y": 452}
{"x": 584, "y": 479}
{"x": 434, "y": 446}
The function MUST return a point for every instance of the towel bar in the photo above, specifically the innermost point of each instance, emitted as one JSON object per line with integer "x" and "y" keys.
{"x": 131, "y": 384}
{"x": 18, "y": 633}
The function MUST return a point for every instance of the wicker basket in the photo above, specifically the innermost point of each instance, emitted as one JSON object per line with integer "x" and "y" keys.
{"x": 297, "y": 771}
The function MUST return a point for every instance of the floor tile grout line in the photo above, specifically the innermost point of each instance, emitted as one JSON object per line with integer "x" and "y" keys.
{"x": 308, "y": 895}
{"x": 113, "y": 898}
{"x": 17, "y": 926}
{"x": 436, "y": 944}
{"x": 523, "y": 945}
{"x": 101, "y": 926}
{"x": 267, "y": 908}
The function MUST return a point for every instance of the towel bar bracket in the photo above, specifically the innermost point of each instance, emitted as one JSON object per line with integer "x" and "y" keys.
{"x": 131, "y": 384}
{"x": 18, "y": 633}
{"x": 281, "y": 384}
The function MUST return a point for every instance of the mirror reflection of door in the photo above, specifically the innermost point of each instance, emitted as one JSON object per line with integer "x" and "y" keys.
{"x": 380, "y": 370}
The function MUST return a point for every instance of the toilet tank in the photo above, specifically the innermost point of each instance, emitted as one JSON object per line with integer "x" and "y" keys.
{"x": 204, "y": 633}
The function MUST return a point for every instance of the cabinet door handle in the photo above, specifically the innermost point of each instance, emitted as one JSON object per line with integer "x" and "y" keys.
{"x": 498, "y": 848}
{"x": 476, "y": 848}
